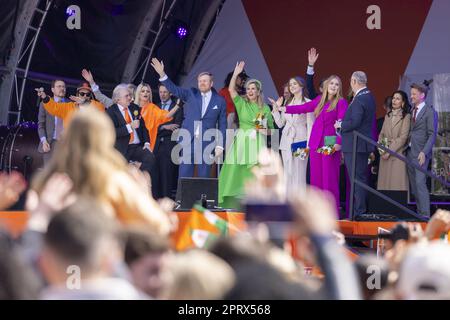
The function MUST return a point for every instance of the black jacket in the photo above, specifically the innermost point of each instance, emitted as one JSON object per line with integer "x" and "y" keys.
{"x": 177, "y": 118}
{"x": 359, "y": 116}
{"x": 120, "y": 126}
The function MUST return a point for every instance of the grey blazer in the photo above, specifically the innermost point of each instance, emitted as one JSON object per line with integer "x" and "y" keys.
{"x": 423, "y": 132}
{"x": 46, "y": 126}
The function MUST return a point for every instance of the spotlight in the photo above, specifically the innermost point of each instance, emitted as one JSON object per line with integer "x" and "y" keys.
{"x": 180, "y": 29}
{"x": 70, "y": 11}
{"x": 181, "y": 32}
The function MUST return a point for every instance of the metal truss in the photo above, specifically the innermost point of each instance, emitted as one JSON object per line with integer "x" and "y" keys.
{"x": 140, "y": 55}
{"x": 15, "y": 76}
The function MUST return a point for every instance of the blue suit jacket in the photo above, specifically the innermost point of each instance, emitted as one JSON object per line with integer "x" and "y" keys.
{"x": 360, "y": 116}
{"x": 215, "y": 116}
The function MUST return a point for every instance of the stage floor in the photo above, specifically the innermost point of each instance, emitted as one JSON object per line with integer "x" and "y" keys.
{"x": 15, "y": 222}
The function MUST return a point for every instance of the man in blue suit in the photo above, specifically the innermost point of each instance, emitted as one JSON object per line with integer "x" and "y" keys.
{"x": 204, "y": 113}
{"x": 359, "y": 117}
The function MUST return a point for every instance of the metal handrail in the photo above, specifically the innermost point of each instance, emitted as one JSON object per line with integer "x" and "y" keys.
{"x": 357, "y": 135}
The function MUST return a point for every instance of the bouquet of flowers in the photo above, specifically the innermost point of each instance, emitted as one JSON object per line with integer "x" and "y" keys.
{"x": 300, "y": 150}
{"x": 260, "y": 121}
{"x": 301, "y": 153}
{"x": 328, "y": 148}
{"x": 384, "y": 142}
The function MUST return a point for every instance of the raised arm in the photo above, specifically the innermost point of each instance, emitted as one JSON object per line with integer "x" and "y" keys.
{"x": 303, "y": 108}
{"x": 174, "y": 110}
{"x": 313, "y": 55}
{"x": 106, "y": 101}
{"x": 278, "y": 116}
{"x": 60, "y": 109}
{"x": 237, "y": 70}
{"x": 181, "y": 93}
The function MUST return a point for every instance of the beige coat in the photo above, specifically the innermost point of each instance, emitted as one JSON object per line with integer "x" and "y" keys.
{"x": 392, "y": 173}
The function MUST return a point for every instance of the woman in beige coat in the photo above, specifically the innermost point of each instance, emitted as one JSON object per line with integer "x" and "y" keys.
{"x": 392, "y": 173}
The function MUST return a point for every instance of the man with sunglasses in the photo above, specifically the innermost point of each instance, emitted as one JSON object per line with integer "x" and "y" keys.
{"x": 65, "y": 110}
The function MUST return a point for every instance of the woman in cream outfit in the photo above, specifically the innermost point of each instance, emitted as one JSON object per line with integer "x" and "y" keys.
{"x": 296, "y": 128}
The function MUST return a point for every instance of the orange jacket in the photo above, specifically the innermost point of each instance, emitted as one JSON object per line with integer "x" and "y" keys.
{"x": 65, "y": 110}
{"x": 153, "y": 117}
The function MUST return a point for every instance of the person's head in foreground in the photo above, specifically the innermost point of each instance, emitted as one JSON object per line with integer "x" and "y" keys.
{"x": 81, "y": 254}
{"x": 147, "y": 255}
{"x": 425, "y": 273}
{"x": 197, "y": 275}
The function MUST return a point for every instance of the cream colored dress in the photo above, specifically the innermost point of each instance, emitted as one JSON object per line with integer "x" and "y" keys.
{"x": 296, "y": 128}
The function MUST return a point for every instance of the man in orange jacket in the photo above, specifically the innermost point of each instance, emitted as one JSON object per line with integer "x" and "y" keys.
{"x": 65, "y": 110}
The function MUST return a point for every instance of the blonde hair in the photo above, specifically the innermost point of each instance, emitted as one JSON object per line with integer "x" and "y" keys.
{"x": 258, "y": 85}
{"x": 86, "y": 154}
{"x": 325, "y": 96}
{"x": 198, "y": 275}
{"x": 137, "y": 93}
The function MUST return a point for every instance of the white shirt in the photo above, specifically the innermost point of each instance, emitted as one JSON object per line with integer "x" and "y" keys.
{"x": 129, "y": 128}
{"x": 166, "y": 104}
{"x": 206, "y": 98}
{"x": 360, "y": 91}
{"x": 419, "y": 108}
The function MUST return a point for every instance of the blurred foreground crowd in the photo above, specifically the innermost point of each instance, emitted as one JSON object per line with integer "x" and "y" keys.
{"x": 95, "y": 232}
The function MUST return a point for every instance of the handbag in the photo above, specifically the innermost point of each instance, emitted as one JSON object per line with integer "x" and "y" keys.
{"x": 298, "y": 145}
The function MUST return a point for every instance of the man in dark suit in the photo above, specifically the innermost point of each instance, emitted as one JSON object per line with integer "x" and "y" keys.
{"x": 204, "y": 112}
{"x": 359, "y": 117}
{"x": 424, "y": 122}
{"x": 50, "y": 127}
{"x": 132, "y": 139}
{"x": 167, "y": 169}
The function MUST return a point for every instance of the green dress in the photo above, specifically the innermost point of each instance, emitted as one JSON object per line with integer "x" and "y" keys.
{"x": 243, "y": 153}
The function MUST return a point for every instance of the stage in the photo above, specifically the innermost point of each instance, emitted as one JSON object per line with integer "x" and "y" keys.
{"x": 15, "y": 222}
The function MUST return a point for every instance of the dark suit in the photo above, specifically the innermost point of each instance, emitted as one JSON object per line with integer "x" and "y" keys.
{"x": 215, "y": 117}
{"x": 167, "y": 170}
{"x": 132, "y": 152}
{"x": 310, "y": 86}
{"x": 422, "y": 138}
{"x": 46, "y": 129}
{"x": 359, "y": 117}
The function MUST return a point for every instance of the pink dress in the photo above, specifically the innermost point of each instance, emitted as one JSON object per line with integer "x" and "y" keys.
{"x": 324, "y": 173}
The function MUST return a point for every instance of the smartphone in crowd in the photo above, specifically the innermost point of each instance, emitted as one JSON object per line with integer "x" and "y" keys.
{"x": 277, "y": 217}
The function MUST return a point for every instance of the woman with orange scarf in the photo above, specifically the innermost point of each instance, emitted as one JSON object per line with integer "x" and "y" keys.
{"x": 153, "y": 115}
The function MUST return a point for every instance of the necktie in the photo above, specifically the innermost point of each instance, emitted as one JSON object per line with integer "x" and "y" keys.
{"x": 128, "y": 121}
{"x": 414, "y": 114}
{"x": 204, "y": 105}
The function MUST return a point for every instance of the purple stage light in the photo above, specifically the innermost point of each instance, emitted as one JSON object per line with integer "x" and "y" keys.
{"x": 70, "y": 11}
{"x": 182, "y": 32}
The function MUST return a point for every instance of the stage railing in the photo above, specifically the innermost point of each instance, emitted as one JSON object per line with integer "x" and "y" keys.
{"x": 353, "y": 181}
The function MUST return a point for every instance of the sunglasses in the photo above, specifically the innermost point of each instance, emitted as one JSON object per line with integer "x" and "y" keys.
{"x": 84, "y": 94}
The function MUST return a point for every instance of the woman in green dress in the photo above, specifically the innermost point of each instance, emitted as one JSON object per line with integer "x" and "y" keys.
{"x": 255, "y": 122}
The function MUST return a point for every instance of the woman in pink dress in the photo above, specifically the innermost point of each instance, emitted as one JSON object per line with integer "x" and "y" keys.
{"x": 328, "y": 108}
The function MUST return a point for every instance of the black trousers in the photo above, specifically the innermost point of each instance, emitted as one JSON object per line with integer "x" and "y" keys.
{"x": 360, "y": 205}
{"x": 166, "y": 177}
{"x": 135, "y": 152}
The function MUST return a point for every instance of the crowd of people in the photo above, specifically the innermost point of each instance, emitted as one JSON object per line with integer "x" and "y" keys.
{"x": 97, "y": 231}
{"x": 194, "y": 129}
{"x": 78, "y": 245}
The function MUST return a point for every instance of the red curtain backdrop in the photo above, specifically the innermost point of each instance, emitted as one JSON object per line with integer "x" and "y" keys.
{"x": 286, "y": 29}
